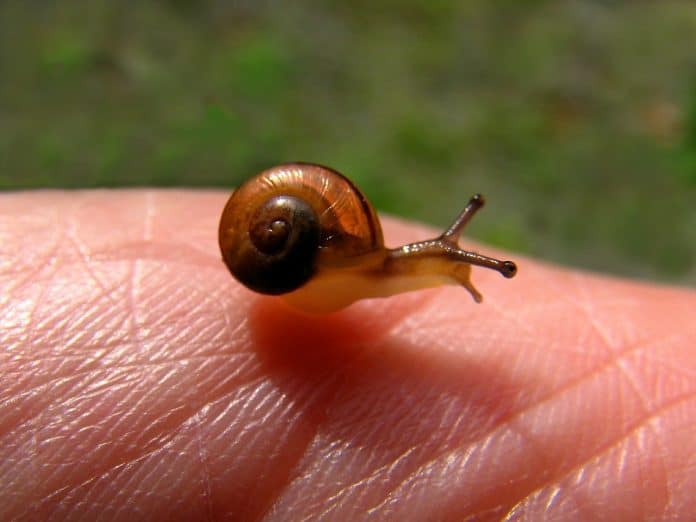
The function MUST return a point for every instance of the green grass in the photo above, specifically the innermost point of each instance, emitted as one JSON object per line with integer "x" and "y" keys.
{"x": 577, "y": 120}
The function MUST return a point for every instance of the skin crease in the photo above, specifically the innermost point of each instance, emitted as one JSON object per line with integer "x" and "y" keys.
{"x": 139, "y": 381}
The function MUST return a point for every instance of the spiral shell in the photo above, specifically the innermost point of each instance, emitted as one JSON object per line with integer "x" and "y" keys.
{"x": 278, "y": 226}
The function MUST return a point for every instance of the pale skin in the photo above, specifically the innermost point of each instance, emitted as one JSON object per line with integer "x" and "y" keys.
{"x": 139, "y": 381}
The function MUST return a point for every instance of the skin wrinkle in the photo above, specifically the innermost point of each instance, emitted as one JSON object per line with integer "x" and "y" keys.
{"x": 689, "y": 466}
{"x": 30, "y": 268}
{"x": 123, "y": 351}
{"x": 134, "y": 287}
{"x": 35, "y": 437}
{"x": 296, "y": 469}
{"x": 623, "y": 439}
{"x": 92, "y": 305}
{"x": 205, "y": 470}
{"x": 513, "y": 318}
{"x": 294, "y": 460}
{"x": 58, "y": 469}
{"x": 58, "y": 494}
{"x": 189, "y": 337}
{"x": 235, "y": 402}
{"x": 423, "y": 317}
{"x": 163, "y": 444}
{"x": 641, "y": 424}
{"x": 116, "y": 365}
{"x": 35, "y": 459}
{"x": 555, "y": 485}
{"x": 422, "y": 470}
{"x": 340, "y": 370}
{"x": 73, "y": 333}
{"x": 155, "y": 476}
{"x": 424, "y": 324}
{"x": 552, "y": 498}
{"x": 135, "y": 458}
{"x": 38, "y": 300}
{"x": 401, "y": 313}
{"x": 488, "y": 514}
{"x": 451, "y": 466}
{"x": 669, "y": 488}
{"x": 685, "y": 478}
{"x": 291, "y": 459}
{"x": 172, "y": 252}
{"x": 647, "y": 406}
{"x": 585, "y": 305}
{"x": 555, "y": 395}
{"x": 579, "y": 498}
{"x": 335, "y": 500}
{"x": 391, "y": 495}
{"x": 22, "y": 420}
{"x": 84, "y": 258}
{"x": 533, "y": 446}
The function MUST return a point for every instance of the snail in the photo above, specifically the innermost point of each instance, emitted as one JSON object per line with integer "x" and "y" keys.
{"x": 306, "y": 233}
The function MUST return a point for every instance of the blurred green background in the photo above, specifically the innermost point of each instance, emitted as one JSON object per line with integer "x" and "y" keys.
{"x": 577, "y": 119}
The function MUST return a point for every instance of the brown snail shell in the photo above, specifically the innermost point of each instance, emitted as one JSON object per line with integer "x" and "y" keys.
{"x": 275, "y": 225}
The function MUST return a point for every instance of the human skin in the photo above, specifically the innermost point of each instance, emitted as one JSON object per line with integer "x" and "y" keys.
{"x": 139, "y": 381}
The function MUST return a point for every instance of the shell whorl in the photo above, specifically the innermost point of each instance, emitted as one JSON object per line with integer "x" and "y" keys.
{"x": 275, "y": 226}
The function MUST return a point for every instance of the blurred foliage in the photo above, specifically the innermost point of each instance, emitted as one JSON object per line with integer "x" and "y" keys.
{"x": 576, "y": 118}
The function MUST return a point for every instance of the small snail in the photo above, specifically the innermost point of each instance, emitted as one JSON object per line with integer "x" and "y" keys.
{"x": 305, "y": 232}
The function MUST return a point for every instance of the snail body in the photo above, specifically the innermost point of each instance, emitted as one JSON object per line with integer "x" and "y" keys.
{"x": 307, "y": 233}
